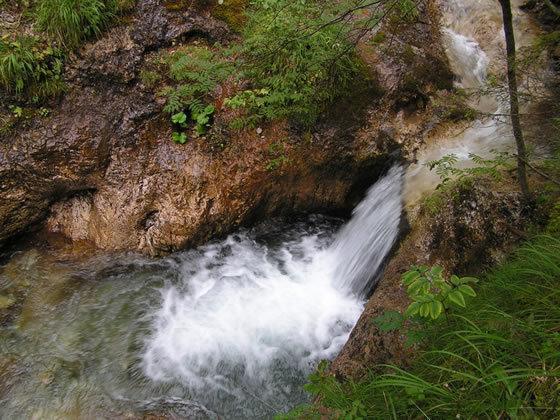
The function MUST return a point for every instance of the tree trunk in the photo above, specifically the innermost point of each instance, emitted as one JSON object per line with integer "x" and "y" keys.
{"x": 514, "y": 99}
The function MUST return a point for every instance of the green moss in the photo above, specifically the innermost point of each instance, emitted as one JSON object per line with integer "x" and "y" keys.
{"x": 149, "y": 78}
{"x": 232, "y": 12}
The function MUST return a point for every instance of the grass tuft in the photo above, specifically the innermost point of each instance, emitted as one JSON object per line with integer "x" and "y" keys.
{"x": 28, "y": 68}
{"x": 70, "y": 22}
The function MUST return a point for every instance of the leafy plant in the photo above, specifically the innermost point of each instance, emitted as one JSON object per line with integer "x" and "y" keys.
{"x": 199, "y": 71}
{"x": 433, "y": 294}
{"x": 17, "y": 111}
{"x": 277, "y": 157}
{"x": 149, "y": 77}
{"x": 179, "y": 118}
{"x": 447, "y": 168}
{"x": 202, "y": 119}
{"x": 179, "y": 137}
{"x": 389, "y": 321}
{"x": 27, "y": 67}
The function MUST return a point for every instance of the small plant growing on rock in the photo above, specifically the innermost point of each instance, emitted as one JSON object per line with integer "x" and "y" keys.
{"x": 179, "y": 137}
{"x": 28, "y": 67}
{"x": 179, "y": 119}
{"x": 202, "y": 119}
{"x": 446, "y": 167}
{"x": 433, "y": 294}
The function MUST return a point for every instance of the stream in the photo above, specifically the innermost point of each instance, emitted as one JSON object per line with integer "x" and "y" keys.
{"x": 230, "y": 329}
{"x": 233, "y": 328}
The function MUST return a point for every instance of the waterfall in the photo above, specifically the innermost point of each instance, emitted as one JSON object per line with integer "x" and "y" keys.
{"x": 469, "y": 62}
{"x": 365, "y": 241}
{"x": 252, "y": 316}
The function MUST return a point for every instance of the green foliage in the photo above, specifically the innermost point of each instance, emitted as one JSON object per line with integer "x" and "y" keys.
{"x": 433, "y": 294}
{"x": 553, "y": 226}
{"x": 179, "y": 118}
{"x": 149, "y": 77}
{"x": 277, "y": 157}
{"x": 69, "y": 22}
{"x": 447, "y": 169}
{"x": 28, "y": 68}
{"x": 302, "y": 63}
{"x": 198, "y": 71}
{"x": 202, "y": 119}
{"x": 179, "y": 137}
{"x": 497, "y": 358}
{"x": 389, "y": 321}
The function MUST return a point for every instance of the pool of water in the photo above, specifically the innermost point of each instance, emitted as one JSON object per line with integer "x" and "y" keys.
{"x": 230, "y": 329}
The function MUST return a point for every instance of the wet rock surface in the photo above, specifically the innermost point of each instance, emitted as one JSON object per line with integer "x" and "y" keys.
{"x": 102, "y": 168}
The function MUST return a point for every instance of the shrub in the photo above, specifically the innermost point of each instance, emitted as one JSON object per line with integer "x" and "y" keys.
{"x": 70, "y": 22}
{"x": 26, "y": 67}
{"x": 303, "y": 64}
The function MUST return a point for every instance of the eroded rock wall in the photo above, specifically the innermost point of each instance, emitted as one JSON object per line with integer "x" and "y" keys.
{"x": 102, "y": 168}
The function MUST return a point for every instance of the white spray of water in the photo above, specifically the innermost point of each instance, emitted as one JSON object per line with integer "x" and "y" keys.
{"x": 368, "y": 237}
{"x": 468, "y": 61}
{"x": 252, "y": 318}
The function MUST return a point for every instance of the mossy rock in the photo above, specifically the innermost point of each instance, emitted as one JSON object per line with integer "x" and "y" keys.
{"x": 6, "y": 302}
{"x": 232, "y": 12}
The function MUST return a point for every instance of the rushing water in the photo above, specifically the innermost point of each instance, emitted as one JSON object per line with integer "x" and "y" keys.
{"x": 230, "y": 329}
{"x": 474, "y": 44}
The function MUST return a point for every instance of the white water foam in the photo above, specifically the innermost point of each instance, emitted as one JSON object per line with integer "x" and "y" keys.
{"x": 248, "y": 317}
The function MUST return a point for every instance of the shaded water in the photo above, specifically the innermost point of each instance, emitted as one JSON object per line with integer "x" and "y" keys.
{"x": 230, "y": 329}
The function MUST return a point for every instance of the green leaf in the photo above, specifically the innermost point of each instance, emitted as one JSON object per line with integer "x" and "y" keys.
{"x": 455, "y": 280}
{"x": 425, "y": 309}
{"x": 436, "y": 271}
{"x": 416, "y": 286}
{"x": 413, "y": 337}
{"x": 179, "y": 118}
{"x": 202, "y": 119}
{"x": 436, "y": 308}
{"x": 412, "y": 309}
{"x": 457, "y": 298}
{"x": 468, "y": 280}
{"x": 467, "y": 290}
{"x": 179, "y": 137}
{"x": 409, "y": 277}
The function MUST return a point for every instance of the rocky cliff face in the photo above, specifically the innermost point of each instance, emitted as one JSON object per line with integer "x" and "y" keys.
{"x": 102, "y": 168}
